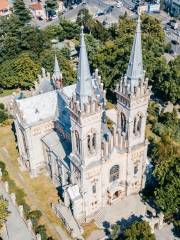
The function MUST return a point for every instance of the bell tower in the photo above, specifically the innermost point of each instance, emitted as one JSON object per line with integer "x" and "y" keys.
{"x": 132, "y": 101}
{"x": 86, "y": 113}
{"x": 86, "y": 117}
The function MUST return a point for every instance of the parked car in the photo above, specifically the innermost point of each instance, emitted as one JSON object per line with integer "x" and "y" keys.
{"x": 174, "y": 42}
{"x": 119, "y": 4}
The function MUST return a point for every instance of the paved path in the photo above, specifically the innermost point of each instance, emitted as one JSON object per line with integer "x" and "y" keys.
{"x": 131, "y": 205}
{"x": 60, "y": 235}
{"x": 165, "y": 233}
{"x": 16, "y": 229}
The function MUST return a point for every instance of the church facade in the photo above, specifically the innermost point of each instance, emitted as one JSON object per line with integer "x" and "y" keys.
{"x": 62, "y": 131}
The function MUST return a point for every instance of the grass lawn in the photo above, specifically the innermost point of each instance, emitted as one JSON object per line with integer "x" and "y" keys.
{"x": 89, "y": 228}
{"x": 40, "y": 192}
{"x": 7, "y": 92}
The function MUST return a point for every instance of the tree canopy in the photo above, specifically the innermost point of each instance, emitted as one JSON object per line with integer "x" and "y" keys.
{"x": 20, "y": 10}
{"x": 3, "y": 211}
{"x": 137, "y": 230}
{"x": 19, "y": 72}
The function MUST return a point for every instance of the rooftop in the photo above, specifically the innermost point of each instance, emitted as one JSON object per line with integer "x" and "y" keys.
{"x": 4, "y": 4}
{"x": 36, "y": 6}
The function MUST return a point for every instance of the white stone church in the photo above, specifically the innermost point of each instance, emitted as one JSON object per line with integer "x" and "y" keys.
{"x": 62, "y": 131}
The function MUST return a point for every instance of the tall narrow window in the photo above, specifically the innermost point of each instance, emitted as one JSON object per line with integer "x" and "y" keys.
{"x": 123, "y": 122}
{"x": 135, "y": 170}
{"x": 77, "y": 141}
{"x": 134, "y": 126}
{"x": 94, "y": 141}
{"x": 94, "y": 188}
{"x": 89, "y": 143}
{"x": 139, "y": 124}
{"x": 114, "y": 173}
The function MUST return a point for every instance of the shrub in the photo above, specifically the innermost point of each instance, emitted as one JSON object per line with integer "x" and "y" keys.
{"x": 2, "y": 106}
{"x": 2, "y": 166}
{"x": 35, "y": 216}
{"x": 3, "y": 116}
{"x": 42, "y": 231}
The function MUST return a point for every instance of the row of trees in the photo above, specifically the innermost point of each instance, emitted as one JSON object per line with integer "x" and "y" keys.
{"x": 34, "y": 215}
{"x": 163, "y": 188}
{"x": 108, "y": 50}
{"x": 24, "y": 48}
{"x": 3, "y": 211}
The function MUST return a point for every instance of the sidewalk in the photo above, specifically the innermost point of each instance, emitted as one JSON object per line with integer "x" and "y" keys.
{"x": 16, "y": 229}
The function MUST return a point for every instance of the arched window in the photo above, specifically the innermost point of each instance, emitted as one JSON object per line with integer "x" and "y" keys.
{"x": 94, "y": 141}
{"x": 139, "y": 124}
{"x": 123, "y": 122}
{"x": 114, "y": 173}
{"x": 135, "y": 170}
{"x": 134, "y": 126}
{"x": 89, "y": 143}
{"x": 77, "y": 141}
{"x": 94, "y": 188}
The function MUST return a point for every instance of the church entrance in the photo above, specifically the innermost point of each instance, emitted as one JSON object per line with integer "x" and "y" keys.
{"x": 116, "y": 195}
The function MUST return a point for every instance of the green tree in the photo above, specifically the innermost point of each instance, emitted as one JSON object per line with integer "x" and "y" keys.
{"x": 3, "y": 211}
{"x": 26, "y": 71}
{"x": 115, "y": 231}
{"x": 167, "y": 173}
{"x": 3, "y": 115}
{"x": 35, "y": 217}
{"x": 50, "y": 6}
{"x": 42, "y": 231}
{"x": 139, "y": 231}
{"x": 16, "y": 38}
{"x": 20, "y": 72}
{"x": 21, "y": 11}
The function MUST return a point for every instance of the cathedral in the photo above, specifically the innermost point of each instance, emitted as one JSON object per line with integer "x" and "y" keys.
{"x": 63, "y": 132}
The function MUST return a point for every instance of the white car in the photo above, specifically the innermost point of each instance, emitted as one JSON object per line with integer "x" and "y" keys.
{"x": 119, "y": 4}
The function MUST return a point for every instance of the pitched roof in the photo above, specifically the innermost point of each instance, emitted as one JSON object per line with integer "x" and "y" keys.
{"x": 38, "y": 108}
{"x": 36, "y": 6}
{"x": 84, "y": 79}
{"x": 135, "y": 67}
{"x": 4, "y": 4}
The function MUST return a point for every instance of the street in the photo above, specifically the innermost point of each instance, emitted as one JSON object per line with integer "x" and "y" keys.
{"x": 95, "y": 6}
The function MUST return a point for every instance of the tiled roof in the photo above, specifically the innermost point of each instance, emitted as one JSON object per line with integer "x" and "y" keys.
{"x": 36, "y": 6}
{"x": 4, "y": 4}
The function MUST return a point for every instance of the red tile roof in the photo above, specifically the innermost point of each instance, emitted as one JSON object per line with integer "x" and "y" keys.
{"x": 36, "y": 6}
{"x": 4, "y": 4}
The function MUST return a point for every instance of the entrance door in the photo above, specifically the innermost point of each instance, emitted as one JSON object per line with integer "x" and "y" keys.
{"x": 117, "y": 194}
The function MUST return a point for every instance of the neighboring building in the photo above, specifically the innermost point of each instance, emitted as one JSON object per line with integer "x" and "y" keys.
{"x": 64, "y": 131}
{"x": 4, "y": 8}
{"x": 38, "y": 10}
{"x": 173, "y": 7}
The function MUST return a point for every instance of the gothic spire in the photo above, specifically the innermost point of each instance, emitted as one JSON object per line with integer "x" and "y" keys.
{"x": 57, "y": 71}
{"x": 84, "y": 79}
{"x": 135, "y": 67}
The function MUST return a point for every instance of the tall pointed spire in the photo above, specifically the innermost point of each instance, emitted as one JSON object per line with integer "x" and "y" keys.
{"x": 84, "y": 79}
{"x": 57, "y": 72}
{"x": 135, "y": 67}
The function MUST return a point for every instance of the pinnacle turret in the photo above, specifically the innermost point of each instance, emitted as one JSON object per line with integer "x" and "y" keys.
{"x": 57, "y": 71}
{"x": 84, "y": 87}
{"x": 135, "y": 67}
